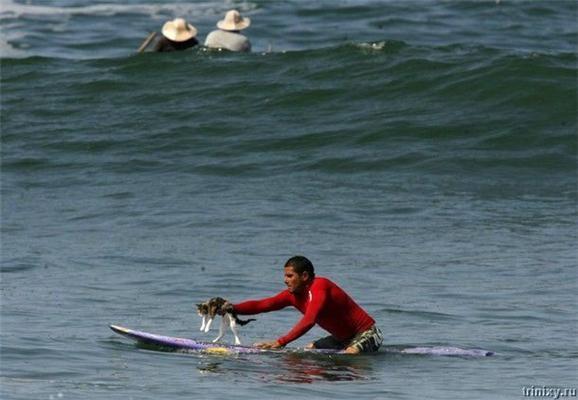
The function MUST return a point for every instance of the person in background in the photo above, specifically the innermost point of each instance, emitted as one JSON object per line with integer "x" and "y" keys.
{"x": 177, "y": 35}
{"x": 229, "y": 36}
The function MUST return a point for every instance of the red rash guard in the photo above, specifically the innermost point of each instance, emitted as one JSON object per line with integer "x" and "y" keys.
{"x": 323, "y": 303}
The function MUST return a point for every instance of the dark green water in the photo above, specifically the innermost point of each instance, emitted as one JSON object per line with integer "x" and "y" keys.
{"x": 422, "y": 154}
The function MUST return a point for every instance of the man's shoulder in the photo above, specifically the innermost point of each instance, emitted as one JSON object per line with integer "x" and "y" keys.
{"x": 283, "y": 295}
{"x": 212, "y": 36}
{"x": 214, "y": 33}
{"x": 322, "y": 282}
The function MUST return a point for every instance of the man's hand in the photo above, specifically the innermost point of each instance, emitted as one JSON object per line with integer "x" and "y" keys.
{"x": 273, "y": 344}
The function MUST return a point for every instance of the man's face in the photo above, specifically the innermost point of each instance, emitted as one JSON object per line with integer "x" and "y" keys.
{"x": 295, "y": 283}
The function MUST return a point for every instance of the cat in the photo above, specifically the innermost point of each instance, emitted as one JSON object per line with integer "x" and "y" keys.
{"x": 219, "y": 306}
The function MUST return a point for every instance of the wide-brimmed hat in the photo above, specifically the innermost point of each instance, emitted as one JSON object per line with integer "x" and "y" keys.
{"x": 233, "y": 21}
{"x": 178, "y": 30}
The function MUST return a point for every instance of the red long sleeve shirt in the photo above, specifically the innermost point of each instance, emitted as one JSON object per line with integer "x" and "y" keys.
{"x": 323, "y": 303}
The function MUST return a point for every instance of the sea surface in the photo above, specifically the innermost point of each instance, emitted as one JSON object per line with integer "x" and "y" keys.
{"x": 423, "y": 155}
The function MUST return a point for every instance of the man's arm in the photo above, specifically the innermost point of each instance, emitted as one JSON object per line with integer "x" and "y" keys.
{"x": 274, "y": 303}
{"x": 318, "y": 300}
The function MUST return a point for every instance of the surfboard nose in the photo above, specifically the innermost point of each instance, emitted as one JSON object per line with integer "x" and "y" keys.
{"x": 119, "y": 329}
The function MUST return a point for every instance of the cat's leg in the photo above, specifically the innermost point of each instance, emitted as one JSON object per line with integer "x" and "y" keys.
{"x": 221, "y": 330}
{"x": 208, "y": 324}
{"x": 203, "y": 321}
{"x": 233, "y": 326}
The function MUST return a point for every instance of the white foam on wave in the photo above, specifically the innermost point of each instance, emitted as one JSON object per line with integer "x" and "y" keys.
{"x": 7, "y": 51}
{"x": 375, "y": 46}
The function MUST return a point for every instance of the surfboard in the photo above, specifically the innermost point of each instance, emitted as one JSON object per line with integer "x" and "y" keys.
{"x": 183, "y": 344}
{"x": 171, "y": 343}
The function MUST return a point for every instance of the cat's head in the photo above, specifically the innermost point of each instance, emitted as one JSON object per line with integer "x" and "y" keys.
{"x": 202, "y": 309}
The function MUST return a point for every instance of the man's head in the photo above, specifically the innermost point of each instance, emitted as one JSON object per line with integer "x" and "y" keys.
{"x": 299, "y": 273}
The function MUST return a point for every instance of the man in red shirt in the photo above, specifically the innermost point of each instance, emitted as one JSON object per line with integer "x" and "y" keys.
{"x": 321, "y": 302}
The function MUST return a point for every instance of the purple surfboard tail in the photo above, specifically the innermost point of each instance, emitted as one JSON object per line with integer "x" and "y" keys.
{"x": 448, "y": 351}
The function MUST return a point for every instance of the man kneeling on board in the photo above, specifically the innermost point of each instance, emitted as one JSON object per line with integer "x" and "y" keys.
{"x": 321, "y": 302}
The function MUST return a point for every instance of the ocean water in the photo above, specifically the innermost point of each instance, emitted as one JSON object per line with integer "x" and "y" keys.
{"x": 422, "y": 154}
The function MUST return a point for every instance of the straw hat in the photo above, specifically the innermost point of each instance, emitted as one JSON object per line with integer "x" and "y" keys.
{"x": 233, "y": 21}
{"x": 178, "y": 30}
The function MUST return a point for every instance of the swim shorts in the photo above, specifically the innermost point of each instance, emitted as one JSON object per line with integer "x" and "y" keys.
{"x": 366, "y": 342}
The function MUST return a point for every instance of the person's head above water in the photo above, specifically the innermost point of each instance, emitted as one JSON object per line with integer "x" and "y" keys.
{"x": 178, "y": 30}
{"x": 299, "y": 273}
{"x": 233, "y": 21}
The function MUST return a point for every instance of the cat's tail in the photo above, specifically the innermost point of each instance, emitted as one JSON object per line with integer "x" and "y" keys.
{"x": 243, "y": 322}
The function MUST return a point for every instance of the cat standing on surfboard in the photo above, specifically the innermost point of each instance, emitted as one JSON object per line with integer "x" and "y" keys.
{"x": 321, "y": 302}
{"x": 219, "y": 306}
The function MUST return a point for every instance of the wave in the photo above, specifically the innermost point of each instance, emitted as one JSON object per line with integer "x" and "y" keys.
{"x": 355, "y": 107}
{"x": 117, "y": 29}
{"x": 13, "y": 9}
{"x": 62, "y": 33}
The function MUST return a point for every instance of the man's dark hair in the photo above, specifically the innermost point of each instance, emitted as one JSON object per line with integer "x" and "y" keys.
{"x": 301, "y": 264}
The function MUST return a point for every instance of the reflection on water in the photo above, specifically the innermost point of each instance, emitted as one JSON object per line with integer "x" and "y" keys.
{"x": 287, "y": 367}
{"x": 209, "y": 367}
{"x": 291, "y": 368}
{"x": 297, "y": 368}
